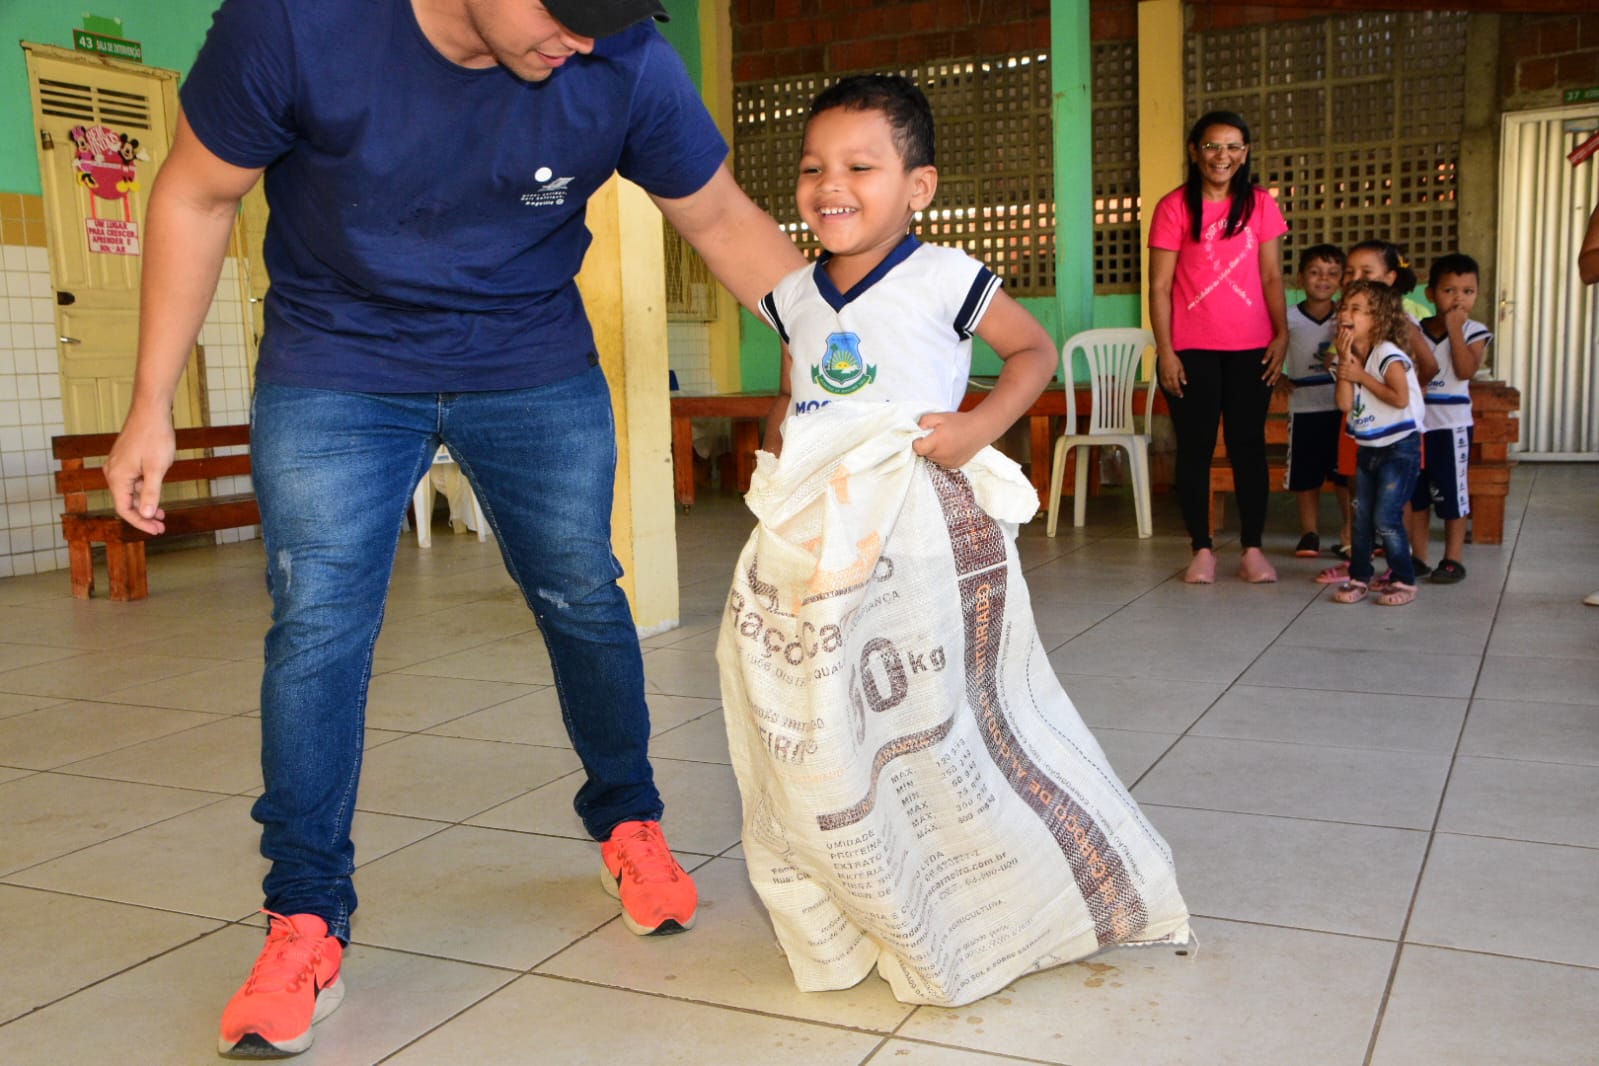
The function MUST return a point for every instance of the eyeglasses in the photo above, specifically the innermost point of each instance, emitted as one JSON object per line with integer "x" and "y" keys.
{"x": 1216, "y": 146}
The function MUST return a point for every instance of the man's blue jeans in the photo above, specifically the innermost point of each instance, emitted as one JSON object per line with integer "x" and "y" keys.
{"x": 1385, "y": 478}
{"x": 334, "y": 472}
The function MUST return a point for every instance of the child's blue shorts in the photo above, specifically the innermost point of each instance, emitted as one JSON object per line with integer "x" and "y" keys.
{"x": 1441, "y": 484}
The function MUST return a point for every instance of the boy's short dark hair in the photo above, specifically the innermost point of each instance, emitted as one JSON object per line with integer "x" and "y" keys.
{"x": 1453, "y": 263}
{"x": 900, "y": 101}
{"x": 1321, "y": 253}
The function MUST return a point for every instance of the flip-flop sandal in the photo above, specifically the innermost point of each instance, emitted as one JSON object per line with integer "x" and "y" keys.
{"x": 1333, "y": 575}
{"x": 1397, "y": 595}
{"x": 1342, "y": 551}
{"x": 1379, "y": 583}
{"x": 1351, "y": 592}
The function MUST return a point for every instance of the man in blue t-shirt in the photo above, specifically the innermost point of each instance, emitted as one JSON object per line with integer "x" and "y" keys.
{"x": 427, "y": 166}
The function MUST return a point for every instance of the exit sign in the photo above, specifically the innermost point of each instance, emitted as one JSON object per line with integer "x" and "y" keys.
{"x": 100, "y": 44}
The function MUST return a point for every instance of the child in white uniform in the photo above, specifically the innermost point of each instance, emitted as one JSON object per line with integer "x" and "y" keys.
{"x": 1379, "y": 392}
{"x": 1458, "y": 345}
{"x": 882, "y": 318}
{"x": 1313, "y": 416}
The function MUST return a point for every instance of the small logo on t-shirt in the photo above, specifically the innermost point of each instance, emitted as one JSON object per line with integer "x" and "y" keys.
{"x": 1358, "y": 415}
{"x": 842, "y": 370}
{"x": 551, "y": 190}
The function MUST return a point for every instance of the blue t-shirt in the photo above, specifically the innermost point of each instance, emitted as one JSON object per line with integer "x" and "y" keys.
{"x": 427, "y": 220}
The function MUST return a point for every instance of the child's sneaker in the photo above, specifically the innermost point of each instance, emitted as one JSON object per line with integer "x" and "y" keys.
{"x": 657, "y": 894}
{"x": 295, "y": 983}
{"x": 1447, "y": 572}
{"x": 1309, "y": 546}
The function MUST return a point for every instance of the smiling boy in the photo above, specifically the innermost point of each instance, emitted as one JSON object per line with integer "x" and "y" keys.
{"x": 882, "y": 316}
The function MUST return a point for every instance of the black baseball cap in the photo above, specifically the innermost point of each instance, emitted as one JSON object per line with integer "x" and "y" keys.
{"x": 601, "y": 18}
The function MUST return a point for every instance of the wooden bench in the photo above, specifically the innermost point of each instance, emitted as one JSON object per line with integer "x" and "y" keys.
{"x": 1496, "y": 410}
{"x": 125, "y": 563}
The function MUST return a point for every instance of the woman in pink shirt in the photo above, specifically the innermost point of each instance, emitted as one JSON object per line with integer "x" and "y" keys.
{"x": 1217, "y": 310}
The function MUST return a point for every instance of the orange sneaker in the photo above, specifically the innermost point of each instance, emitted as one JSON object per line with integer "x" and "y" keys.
{"x": 295, "y": 983}
{"x": 657, "y": 894}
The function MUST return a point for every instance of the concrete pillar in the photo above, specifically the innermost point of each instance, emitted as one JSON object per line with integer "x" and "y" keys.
{"x": 626, "y": 300}
{"x": 1162, "y": 126}
{"x": 1072, "y": 77}
{"x": 716, "y": 87}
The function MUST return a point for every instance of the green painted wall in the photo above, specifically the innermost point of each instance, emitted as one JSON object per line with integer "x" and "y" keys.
{"x": 683, "y": 31}
{"x": 170, "y": 30}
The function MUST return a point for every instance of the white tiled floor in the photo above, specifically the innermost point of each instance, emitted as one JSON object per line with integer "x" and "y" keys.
{"x": 1386, "y": 822}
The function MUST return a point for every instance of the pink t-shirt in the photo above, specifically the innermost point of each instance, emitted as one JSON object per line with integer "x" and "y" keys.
{"x": 1217, "y": 299}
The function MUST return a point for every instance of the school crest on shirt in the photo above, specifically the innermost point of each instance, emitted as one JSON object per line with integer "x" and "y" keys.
{"x": 842, "y": 370}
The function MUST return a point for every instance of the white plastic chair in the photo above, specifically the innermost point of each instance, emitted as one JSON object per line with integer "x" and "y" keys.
{"x": 422, "y": 501}
{"x": 1113, "y": 357}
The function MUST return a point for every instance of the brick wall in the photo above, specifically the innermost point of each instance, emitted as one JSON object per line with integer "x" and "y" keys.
{"x": 780, "y": 38}
{"x": 1543, "y": 55}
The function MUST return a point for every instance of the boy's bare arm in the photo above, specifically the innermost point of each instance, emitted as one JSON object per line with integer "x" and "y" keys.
{"x": 1030, "y": 361}
{"x": 773, "y": 439}
{"x": 1465, "y": 359}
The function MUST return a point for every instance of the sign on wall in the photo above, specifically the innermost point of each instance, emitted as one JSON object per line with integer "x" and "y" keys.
{"x": 100, "y": 44}
{"x": 107, "y": 166}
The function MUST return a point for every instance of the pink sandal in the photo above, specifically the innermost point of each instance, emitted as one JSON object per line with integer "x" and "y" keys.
{"x": 1351, "y": 592}
{"x": 1254, "y": 568}
{"x": 1201, "y": 568}
{"x": 1333, "y": 575}
{"x": 1397, "y": 595}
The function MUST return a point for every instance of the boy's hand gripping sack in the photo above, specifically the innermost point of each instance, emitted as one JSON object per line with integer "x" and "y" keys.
{"x": 919, "y": 792}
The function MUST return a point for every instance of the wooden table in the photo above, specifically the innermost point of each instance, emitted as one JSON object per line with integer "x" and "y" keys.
{"x": 746, "y": 409}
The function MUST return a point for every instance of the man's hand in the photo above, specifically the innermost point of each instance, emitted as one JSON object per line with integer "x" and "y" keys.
{"x": 138, "y": 462}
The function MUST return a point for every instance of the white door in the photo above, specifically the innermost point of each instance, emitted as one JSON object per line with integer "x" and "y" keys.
{"x": 102, "y": 128}
{"x": 1547, "y": 335}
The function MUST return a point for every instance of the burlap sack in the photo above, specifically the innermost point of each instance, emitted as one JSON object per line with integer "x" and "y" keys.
{"x": 919, "y": 792}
